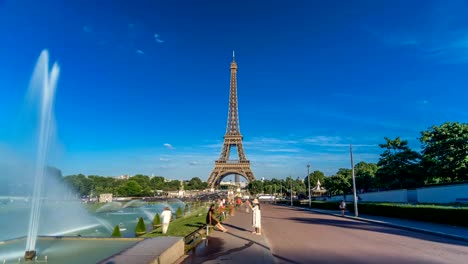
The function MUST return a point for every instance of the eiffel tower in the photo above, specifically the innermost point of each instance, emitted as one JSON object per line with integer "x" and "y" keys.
{"x": 224, "y": 166}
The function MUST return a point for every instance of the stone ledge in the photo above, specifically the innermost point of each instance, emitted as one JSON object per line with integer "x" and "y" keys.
{"x": 158, "y": 250}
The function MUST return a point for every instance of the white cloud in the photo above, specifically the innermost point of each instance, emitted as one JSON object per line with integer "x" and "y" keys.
{"x": 169, "y": 146}
{"x": 193, "y": 163}
{"x": 158, "y": 39}
{"x": 291, "y": 150}
{"x": 140, "y": 52}
{"x": 164, "y": 159}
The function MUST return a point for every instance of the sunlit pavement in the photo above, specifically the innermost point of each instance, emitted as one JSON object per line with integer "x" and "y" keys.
{"x": 238, "y": 245}
{"x": 293, "y": 235}
{"x": 298, "y": 236}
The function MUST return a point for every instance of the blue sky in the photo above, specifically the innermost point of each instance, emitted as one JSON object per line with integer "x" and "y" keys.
{"x": 144, "y": 84}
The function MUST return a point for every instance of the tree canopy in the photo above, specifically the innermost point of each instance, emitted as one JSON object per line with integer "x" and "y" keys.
{"x": 445, "y": 152}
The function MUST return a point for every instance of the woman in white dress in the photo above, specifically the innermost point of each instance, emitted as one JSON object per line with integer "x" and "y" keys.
{"x": 256, "y": 217}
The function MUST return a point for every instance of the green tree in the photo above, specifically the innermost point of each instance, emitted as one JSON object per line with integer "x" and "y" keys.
{"x": 130, "y": 188}
{"x": 156, "y": 220}
{"x": 398, "y": 165}
{"x": 195, "y": 183}
{"x": 157, "y": 183}
{"x": 140, "y": 228}
{"x": 300, "y": 187}
{"x": 116, "y": 232}
{"x": 365, "y": 175}
{"x": 255, "y": 187}
{"x": 445, "y": 152}
{"x": 186, "y": 209}
{"x": 314, "y": 177}
{"x": 142, "y": 180}
{"x": 338, "y": 184}
{"x": 179, "y": 213}
{"x": 80, "y": 184}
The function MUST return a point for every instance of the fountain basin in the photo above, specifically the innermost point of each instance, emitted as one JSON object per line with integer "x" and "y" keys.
{"x": 73, "y": 250}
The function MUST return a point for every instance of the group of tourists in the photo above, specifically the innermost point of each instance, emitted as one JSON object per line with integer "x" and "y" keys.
{"x": 217, "y": 213}
{"x": 214, "y": 217}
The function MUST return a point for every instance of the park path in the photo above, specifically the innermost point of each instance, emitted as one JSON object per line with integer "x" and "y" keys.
{"x": 298, "y": 236}
{"x": 238, "y": 245}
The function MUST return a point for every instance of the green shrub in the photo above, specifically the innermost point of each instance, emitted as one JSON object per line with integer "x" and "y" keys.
{"x": 140, "y": 228}
{"x": 156, "y": 220}
{"x": 425, "y": 213}
{"x": 186, "y": 209}
{"x": 116, "y": 232}
{"x": 179, "y": 213}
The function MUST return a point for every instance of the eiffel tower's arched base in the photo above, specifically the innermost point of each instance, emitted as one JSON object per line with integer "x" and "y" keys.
{"x": 223, "y": 168}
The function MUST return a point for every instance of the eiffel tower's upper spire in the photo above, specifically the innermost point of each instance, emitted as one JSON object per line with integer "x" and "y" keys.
{"x": 233, "y": 63}
{"x": 233, "y": 114}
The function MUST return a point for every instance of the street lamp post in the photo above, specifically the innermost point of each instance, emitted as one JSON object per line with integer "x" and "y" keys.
{"x": 308, "y": 179}
{"x": 354, "y": 181}
{"x": 291, "y": 192}
{"x": 274, "y": 194}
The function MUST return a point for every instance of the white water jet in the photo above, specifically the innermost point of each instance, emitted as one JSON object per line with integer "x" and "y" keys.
{"x": 134, "y": 203}
{"x": 112, "y": 206}
{"x": 73, "y": 230}
{"x": 148, "y": 214}
{"x": 46, "y": 80}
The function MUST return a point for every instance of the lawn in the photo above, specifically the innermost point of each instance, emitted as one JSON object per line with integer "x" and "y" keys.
{"x": 183, "y": 226}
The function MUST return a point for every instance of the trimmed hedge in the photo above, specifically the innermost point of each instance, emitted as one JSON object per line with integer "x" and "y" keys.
{"x": 140, "y": 228}
{"x": 156, "y": 220}
{"x": 116, "y": 232}
{"x": 179, "y": 213}
{"x": 434, "y": 214}
{"x": 425, "y": 213}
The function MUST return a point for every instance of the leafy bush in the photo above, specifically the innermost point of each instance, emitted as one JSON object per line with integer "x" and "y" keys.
{"x": 140, "y": 228}
{"x": 156, "y": 220}
{"x": 179, "y": 213}
{"x": 425, "y": 213}
{"x": 116, "y": 232}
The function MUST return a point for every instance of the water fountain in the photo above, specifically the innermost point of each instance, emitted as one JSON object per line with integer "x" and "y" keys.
{"x": 47, "y": 83}
{"x": 38, "y": 214}
{"x": 58, "y": 225}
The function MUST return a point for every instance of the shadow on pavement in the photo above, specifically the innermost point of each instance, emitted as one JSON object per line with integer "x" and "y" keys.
{"x": 353, "y": 224}
{"x": 236, "y": 227}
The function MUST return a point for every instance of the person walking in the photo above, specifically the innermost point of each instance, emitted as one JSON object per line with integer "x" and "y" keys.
{"x": 342, "y": 207}
{"x": 256, "y": 217}
{"x": 166, "y": 218}
{"x": 211, "y": 219}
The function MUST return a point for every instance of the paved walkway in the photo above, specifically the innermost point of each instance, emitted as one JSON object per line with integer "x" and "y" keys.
{"x": 454, "y": 232}
{"x": 238, "y": 245}
{"x": 297, "y": 235}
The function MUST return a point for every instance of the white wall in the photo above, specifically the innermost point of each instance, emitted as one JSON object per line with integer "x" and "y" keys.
{"x": 442, "y": 194}
{"x": 395, "y": 196}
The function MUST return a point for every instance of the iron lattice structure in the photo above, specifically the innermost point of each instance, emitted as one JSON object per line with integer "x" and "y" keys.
{"x": 232, "y": 138}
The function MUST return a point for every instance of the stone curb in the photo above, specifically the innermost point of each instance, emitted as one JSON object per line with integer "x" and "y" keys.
{"x": 420, "y": 230}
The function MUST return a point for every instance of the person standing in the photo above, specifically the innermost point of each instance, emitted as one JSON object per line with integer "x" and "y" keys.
{"x": 342, "y": 207}
{"x": 256, "y": 217}
{"x": 166, "y": 219}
